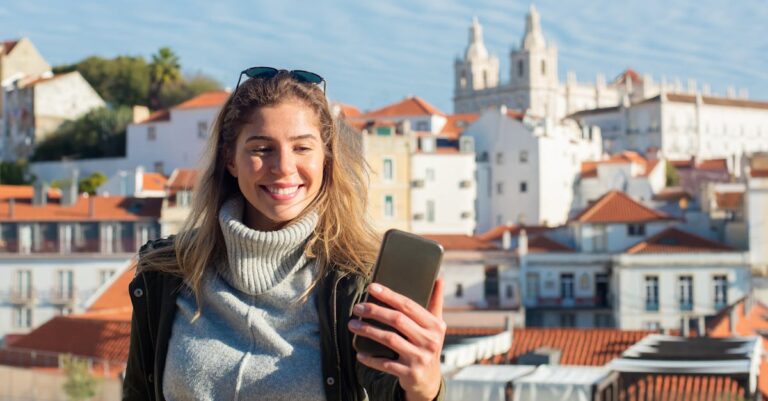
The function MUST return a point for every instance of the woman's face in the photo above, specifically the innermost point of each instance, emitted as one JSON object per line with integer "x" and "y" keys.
{"x": 278, "y": 163}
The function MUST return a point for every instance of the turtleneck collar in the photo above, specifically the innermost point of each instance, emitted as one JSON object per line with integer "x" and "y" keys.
{"x": 259, "y": 260}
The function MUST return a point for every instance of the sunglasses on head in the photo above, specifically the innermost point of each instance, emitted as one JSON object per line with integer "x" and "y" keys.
{"x": 270, "y": 72}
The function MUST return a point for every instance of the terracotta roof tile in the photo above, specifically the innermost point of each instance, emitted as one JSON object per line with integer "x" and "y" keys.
{"x": 629, "y": 74}
{"x": 182, "y": 179}
{"x": 8, "y": 45}
{"x": 682, "y": 164}
{"x": 24, "y": 192}
{"x": 348, "y": 111}
{"x": 154, "y": 182}
{"x": 117, "y": 208}
{"x": 456, "y": 123}
{"x": 160, "y": 115}
{"x": 713, "y": 164}
{"x": 460, "y": 242}
{"x": 675, "y": 240}
{"x": 618, "y": 207}
{"x": 594, "y": 347}
{"x": 729, "y": 200}
{"x": 203, "y": 100}
{"x": 410, "y": 106}
{"x": 681, "y": 388}
{"x": 672, "y": 194}
{"x": 115, "y": 297}
{"x": 589, "y": 168}
{"x": 496, "y": 233}
{"x": 542, "y": 244}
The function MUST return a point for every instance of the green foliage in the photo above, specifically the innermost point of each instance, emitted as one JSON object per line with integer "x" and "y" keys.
{"x": 15, "y": 173}
{"x": 122, "y": 81}
{"x": 91, "y": 183}
{"x": 186, "y": 88}
{"x": 163, "y": 69}
{"x": 99, "y": 133}
{"x": 672, "y": 176}
{"x": 80, "y": 383}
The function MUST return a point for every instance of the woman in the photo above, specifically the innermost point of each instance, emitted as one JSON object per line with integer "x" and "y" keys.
{"x": 256, "y": 296}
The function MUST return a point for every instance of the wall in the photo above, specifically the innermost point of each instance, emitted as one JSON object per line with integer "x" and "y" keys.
{"x": 375, "y": 150}
{"x": 64, "y": 97}
{"x": 35, "y": 385}
{"x": 757, "y": 221}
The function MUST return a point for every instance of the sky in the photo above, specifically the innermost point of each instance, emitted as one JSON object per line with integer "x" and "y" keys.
{"x": 376, "y": 52}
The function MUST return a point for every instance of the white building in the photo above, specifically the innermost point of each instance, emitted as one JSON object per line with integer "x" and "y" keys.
{"x": 683, "y": 125}
{"x": 526, "y": 168}
{"x": 757, "y": 211}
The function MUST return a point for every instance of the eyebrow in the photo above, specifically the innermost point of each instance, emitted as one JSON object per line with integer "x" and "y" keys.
{"x": 270, "y": 139}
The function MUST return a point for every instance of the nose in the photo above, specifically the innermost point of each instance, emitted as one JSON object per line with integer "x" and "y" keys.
{"x": 284, "y": 163}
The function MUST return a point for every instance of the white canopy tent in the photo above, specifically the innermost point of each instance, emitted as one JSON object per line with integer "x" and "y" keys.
{"x": 483, "y": 382}
{"x": 560, "y": 383}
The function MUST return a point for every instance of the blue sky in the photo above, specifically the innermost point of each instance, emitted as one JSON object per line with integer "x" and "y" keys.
{"x": 376, "y": 52}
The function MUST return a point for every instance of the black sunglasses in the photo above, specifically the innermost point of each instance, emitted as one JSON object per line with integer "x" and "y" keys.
{"x": 270, "y": 72}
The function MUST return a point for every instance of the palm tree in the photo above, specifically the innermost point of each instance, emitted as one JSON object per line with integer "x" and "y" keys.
{"x": 164, "y": 68}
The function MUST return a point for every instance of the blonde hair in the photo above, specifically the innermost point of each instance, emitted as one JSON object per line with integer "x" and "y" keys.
{"x": 343, "y": 238}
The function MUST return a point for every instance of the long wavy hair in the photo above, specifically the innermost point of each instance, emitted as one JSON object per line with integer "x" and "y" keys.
{"x": 343, "y": 238}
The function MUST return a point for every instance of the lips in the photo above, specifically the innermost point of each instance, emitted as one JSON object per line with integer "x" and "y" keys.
{"x": 282, "y": 191}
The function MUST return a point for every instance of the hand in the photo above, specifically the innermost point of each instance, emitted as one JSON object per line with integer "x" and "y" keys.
{"x": 419, "y": 347}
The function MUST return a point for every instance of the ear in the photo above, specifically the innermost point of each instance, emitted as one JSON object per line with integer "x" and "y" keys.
{"x": 230, "y": 164}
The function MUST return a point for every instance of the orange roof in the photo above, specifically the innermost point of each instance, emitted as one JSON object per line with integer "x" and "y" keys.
{"x": 456, "y": 123}
{"x": 497, "y": 232}
{"x": 589, "y": 168}
{"x": 348, "y": 111}
{"x": 756, "y": 173}
{"x": 115, "y": 297}
{"x": 594, "y": 347}
{"x": 628, "y": 74}
{"x": 207, "y": 99}
{"x": 678, "y": 164}
{"x": 542, "y": 244}
{"x": 116, "y": 208}
{"x": 457, "y": 242}
{"x": 729, "y": 200}
{"x": 410, "y": 106}
{"x": 154, "y": 182}
{"x": 182, "y": 179}
{"x": 675, "y": 240}
{"x": 714, "y": 164}
{"x": 672, "y": 194}
{"x": 682, "y": 388}
{"x": 24, "y": 192}
{"x": 8, "y": 45}
{"x": 618, "y": 207}
{"x": 160, "y": 115}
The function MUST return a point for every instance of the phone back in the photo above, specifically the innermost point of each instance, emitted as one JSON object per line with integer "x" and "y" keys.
{"x": 408, "y": 264}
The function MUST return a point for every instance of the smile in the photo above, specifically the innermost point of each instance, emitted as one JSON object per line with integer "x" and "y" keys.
{"x": 281, "y": 192}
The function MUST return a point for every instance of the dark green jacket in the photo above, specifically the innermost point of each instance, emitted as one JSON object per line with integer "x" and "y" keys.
{"x": 153, "y": 295}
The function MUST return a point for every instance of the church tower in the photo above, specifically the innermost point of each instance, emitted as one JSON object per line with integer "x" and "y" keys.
{"x": 533, "y": 70}
{"x": 478, "y": 70}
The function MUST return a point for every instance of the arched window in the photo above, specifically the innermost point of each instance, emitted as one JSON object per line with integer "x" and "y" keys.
{"x": 463, "y": 79}
{"x": 520, "y": 68}
{"x": 543, "y": 67}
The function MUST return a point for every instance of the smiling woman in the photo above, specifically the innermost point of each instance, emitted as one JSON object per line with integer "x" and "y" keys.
{"x": 253, "y": 299}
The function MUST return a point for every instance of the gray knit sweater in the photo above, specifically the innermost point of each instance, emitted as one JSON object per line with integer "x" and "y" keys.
{"x": 254, "y": 340}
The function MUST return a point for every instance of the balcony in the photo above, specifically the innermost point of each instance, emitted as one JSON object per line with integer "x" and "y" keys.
{"x": 573, "y": 302}
{"x": 686, "y": 306}
{"x": 9, "y": 246}
{"x": 21, "y": 297}
{"x": 651, "y": 306}
{"x": 62, "y": 297}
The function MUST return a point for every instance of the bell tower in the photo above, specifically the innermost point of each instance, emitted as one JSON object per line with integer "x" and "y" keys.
{"x": 477, "y": 70}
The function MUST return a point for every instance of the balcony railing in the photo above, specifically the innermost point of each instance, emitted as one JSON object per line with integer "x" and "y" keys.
{"x": 686, "y": 306}
{"x": 574, "y": 302}
{"x": 651, "y": 306}
{"x": 60, "y": 296}
{"x": 9, "y": 246}
{"x": 124, "y": 245}
{"x": 23, "y": 297}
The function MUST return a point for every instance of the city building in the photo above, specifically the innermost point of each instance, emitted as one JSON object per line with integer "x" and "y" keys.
{"x": 757, "y": 210}
{"x": 19, "y": 59}
{"x": 178, "y": 201}
{"x": 137, "y": 183}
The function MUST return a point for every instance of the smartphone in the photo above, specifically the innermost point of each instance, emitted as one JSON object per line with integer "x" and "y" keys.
{"x": 408, "y": 264}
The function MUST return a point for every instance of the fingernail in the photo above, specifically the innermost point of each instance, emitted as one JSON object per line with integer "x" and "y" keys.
{"x": 361, "y": 355}
{"x": 375, "y": 287}
{"x": 359, "y": 308}
{"x": 355, "y": 324}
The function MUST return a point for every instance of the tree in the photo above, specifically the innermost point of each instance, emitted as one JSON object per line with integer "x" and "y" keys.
{"x": 98, "y": 133}
{"x": 186, "y": 88}
{"x": 672, "y": 176}
{"x": 15, "y": 173}
{"x": 80, "y": 383}
{"x": 163, "y": 69}
{"x": 91, "y": 183}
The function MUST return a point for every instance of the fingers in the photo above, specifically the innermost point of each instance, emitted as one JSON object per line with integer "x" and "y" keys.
{"x": 416, "y": 334}
{"x": 410, "y": 308}
{"x": 392, "y": 340}
{"x": 385, "y": 365}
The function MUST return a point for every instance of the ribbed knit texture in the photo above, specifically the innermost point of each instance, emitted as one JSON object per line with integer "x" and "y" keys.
{"x": 253, "y": 340}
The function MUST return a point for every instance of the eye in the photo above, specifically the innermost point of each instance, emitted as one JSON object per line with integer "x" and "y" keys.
{"x": 259, "y": 150}
{"x": 302, "y": 148}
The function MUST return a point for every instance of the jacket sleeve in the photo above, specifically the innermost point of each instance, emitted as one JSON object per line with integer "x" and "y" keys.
{"x": 135, "y": 386}
{"x": 382, "y": 386}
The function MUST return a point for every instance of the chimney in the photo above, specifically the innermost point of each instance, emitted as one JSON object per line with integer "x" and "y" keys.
{"x": 733, "y": 319}
{"x": 506, "y": 238}
{"x": 91, "y": 206}
{"x": 140, "y": 113}
{"x": 40, "y": 193}
{"x": 522, "y": 243}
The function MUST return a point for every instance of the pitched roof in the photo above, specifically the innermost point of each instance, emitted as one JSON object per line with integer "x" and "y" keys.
{"x": 24, "y": 192}
{"x": 497, "y": 233}
{"x": 204, "y": 100}
{"x": 182, "y": 179}
{"x": 589, "y": 168}
{"x": 711, "y": 100}
{"x": 348, "y": 111}
{"x": 670, "y": 194}
{"x": 594, "y": 347}
{"x": 682, "y": 388}
{"x": 618, "y": 207}
{"x": 160, "y": 115}
{"x": 8, "y": 46}
{"x": 38, "y": 80}
{"x": 456, "y": 123}
{"x": 115, "y": 297}
{"x": 543, "y": 244}
{"x": 628, "y": 74}
{"x": 729, "y": 200}
{"x": 458, "y": 242}
{"x": 675, "y": 240}
{"x": 410, "y": 106}
{"x": 712, "y": 164}
{"x": 105, "y": 208}
{"x": 153, "y": 181}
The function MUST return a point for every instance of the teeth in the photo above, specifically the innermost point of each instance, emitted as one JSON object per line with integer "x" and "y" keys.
{"x": 283, "y": 191}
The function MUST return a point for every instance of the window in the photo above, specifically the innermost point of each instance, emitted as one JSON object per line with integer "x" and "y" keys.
{"x": 160, "y": 167}
{"x": 499, "y": 158}
{"x": 510, "y": 291}
{"x": 389, "y": 206}
{"x": 567, "y": 320}
{"x": 23, "y": 288}
{"x": 520, "y": 68}
{"x": 543, "y": 67}
{"x": 523, "y": 187}
{"x": 64, "y": 285}
{"x": 721, "y": 291}
{"x": 603, "y": 320}
{"x": 430, "y": 174}
{"x": 652, "y": 325}
{"x": 430, "y": 210}
{"x": 652, "y": 293}
{"x": 22, "y": 317}
{"x": 685, "y": 288}
{"x": 523, "y": 156}
{"x": 491, "y": 287}
{"x": 499, "y": 188}
{"x": 384, "y": 131}
{"x": 104, "y": 275}
{"x": 422, "y": 126}
{"x": 151, "y": 133}
{"x": 566, "y": 286}
{"x": 388, "y": 169}
{"x": 599, "y": 238}
{"x": 485, "y": 79}
{"x": 202, "y": 129}
{"x": 459, "y": 290}
{"x": 183, "y": 198}
{"x": 532, "y": 287}
{"x": 463, "y": 79}
{"x": 635, "y": 230}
